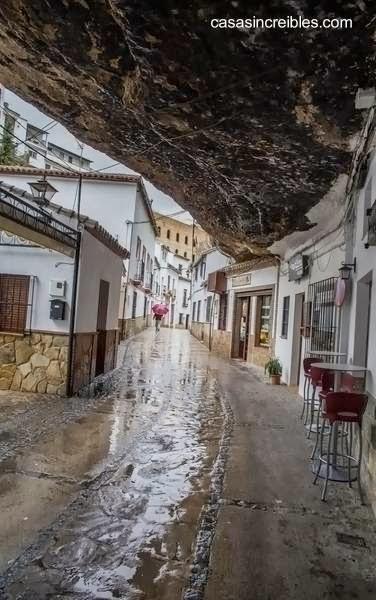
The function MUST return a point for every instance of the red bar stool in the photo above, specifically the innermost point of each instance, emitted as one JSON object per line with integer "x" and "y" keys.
{"x": 313, "y": 402}
{"x": 346, "y": 409}
{"x": 327, "y": 385}
{"x": 307, "y": 362}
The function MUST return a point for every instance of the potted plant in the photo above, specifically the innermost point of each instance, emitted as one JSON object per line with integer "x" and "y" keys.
{"x": 274, "y": 369}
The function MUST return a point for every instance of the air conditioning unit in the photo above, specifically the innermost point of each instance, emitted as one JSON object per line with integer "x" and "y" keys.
{"x": 57, "y": 288}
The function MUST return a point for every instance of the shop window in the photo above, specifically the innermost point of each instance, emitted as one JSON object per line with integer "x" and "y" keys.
{"x": 263, "y": 321}
{"x": 285, "y": 316}
{"x": 14, "y": 294}
{"x": 222, "y": 317}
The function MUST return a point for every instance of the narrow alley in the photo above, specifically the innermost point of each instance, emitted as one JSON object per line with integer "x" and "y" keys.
{"x": 178, "y": 475}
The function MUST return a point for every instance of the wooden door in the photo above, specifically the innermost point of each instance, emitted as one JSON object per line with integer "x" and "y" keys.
{"x": 244, "y": 328}
{"x": 104, "y": 289}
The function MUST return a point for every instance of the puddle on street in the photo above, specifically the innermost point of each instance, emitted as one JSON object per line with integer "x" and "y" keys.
{"x": 137, "y": 469}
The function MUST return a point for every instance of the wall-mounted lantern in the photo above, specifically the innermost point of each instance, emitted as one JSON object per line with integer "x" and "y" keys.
{"x": 42, "y": 191}
{"x": 346, "y": 268}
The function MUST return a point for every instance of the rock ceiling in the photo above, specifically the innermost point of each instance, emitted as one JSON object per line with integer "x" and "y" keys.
{"x": 247, "y": 130}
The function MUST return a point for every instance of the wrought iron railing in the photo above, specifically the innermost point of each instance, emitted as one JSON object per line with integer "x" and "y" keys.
{"x": 20, "y": 211}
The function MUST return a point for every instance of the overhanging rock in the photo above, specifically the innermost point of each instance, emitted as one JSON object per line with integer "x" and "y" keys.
{"x": 248, "y": 130}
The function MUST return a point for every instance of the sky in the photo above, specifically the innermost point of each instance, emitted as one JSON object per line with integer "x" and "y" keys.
{"x": 60, "y": 135}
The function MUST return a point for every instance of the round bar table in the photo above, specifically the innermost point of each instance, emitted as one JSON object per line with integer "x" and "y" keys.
{"x": 337, "y": 473}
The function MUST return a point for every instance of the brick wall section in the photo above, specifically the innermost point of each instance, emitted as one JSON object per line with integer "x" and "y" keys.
{"x": 34, "y": 363}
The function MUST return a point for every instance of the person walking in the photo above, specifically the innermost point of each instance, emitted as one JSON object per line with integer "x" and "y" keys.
{"x": 158, "y": 319}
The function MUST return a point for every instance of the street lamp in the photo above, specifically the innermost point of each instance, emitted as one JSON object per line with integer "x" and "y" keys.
{"x": 42, "y": 191}
{"x": 346, "y": 268}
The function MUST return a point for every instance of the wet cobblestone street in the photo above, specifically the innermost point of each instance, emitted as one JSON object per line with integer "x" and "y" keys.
{"x": 116, "y": 491}
{"x": 180, "y": 476}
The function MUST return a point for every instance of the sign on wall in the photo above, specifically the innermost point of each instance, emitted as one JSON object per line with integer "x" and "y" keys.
{"x": 298, "y": 267}
{"x": 241, "y": 280}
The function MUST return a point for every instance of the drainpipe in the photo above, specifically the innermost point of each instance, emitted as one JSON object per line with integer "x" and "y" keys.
{"x": 69, "y": 383}
{"x": 131, "y": 223}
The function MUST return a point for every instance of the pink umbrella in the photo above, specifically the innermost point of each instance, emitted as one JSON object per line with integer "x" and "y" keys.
{"x": 159, "y": 309}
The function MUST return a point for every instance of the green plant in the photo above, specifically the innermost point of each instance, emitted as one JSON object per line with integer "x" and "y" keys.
{"x": 273, "y": 367}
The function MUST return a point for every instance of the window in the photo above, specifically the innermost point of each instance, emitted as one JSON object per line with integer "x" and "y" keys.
{"x": 222, "y": 317}
{"x": 185, "y": 294}
{"x": 176, "y": 251}
{"x": 198, "y": 310}
{"x": 186, "y": 240}
{"x": 138, "y": 248}
{"x": 168, "y": 282}
{"x": 180, "y": 268}
{"x": 134, "y": 305}
{"x": 14, "y": 294}
{"x": 263, "y": 334}
{"x": 181, "y": 316}
{"x": 196, "y": 273}
{"x": 177, "y": 237}
{"x": 194, "y": 312}
{"x": 145, "y": 307}
{"x": 321, "y": 316}
{"x": 285, "y": 316}
{"x": 208, "y": 309}
{"x": 185, "y": 255}
{"x": 203, "y": 268}
{"x": 168, "y": 234}
{"x": 159, "y": 231}
{"x": 70, "y": 159}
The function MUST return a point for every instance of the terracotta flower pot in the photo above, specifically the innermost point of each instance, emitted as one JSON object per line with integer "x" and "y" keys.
{"x": 275, "y": 379}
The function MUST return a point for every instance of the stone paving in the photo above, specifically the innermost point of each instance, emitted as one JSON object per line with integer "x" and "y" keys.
{"x": 181, "y": 475}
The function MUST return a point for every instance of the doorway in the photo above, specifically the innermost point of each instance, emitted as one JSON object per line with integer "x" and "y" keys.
{"x": 297, "y": 339}
{"x": 241, "y": 327}
{"x": 186, "y": 321}
{"x": 104, "y": 289}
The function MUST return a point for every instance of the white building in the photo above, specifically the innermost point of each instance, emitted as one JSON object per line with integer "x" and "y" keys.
{"x": 172, "y": 286}
{"x": 32, "y": 145}
{"x": 59, "y": 296}
{"x": 121, "y": 204}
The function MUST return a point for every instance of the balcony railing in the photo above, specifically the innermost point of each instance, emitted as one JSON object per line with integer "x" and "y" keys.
{"x": 140, "y": 273}
{"x": 148, "y": 282}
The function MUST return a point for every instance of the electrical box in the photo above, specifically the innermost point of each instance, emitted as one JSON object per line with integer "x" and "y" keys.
{"x": 57, "y": 288}
{"x": 57, "y": 310}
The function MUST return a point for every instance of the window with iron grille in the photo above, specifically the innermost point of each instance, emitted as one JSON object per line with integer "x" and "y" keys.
{"x": 14, "y": 302}
{"x": 194, "y": 312}
{"x": 134, "y": 305}
{"x": 285, "y": 316}
{"x": 322, "y": 330}
{"x": 222, "y": 318}
{"x": 208, "y": 309}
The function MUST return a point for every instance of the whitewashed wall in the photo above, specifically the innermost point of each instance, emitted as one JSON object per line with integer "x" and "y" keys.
{"x": 215, "y": 260}
{"x": 40, "y": 263}
{"x": 326, "y": 257}
{"x": 97, "y": 262}
{"x": 365, "y": 269}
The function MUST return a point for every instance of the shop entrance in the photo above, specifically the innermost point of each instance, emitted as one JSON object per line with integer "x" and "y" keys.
{"x": 241, "y": 327}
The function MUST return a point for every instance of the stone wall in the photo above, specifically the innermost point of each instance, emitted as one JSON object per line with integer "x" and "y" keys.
{"x": 369, "y": 451}
{"x": 34, "y": 363}
{"x": 221, "y": 342}
{"x": 257, "y": 355}
{"x": 131, "y": 326}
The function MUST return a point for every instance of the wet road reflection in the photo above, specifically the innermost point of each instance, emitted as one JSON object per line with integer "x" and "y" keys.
{"x": 137, "y": 469}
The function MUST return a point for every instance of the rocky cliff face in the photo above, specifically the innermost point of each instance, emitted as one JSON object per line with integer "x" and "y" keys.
{"x": 246, "y": 129}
